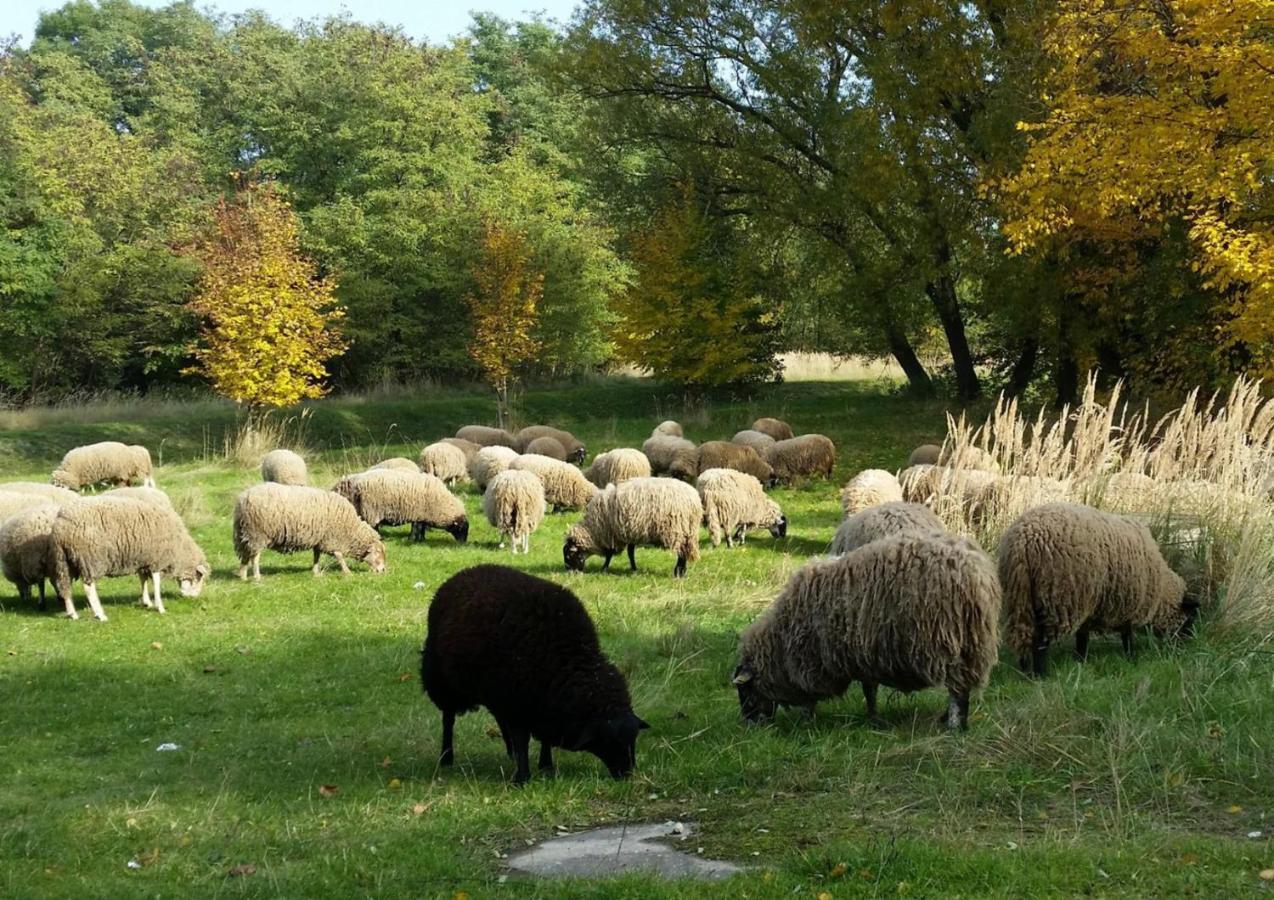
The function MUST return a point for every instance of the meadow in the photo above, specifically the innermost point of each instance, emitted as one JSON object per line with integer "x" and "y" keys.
{"x": 306, "y": 760}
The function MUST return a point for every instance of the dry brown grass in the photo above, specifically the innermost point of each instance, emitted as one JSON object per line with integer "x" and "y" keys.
{"x": 256, "y": 436}
{"x": 1200, "y": 477}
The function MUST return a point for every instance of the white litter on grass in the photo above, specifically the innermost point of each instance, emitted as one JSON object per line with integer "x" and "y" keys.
{"x": 618, "y": 850}
{"x": 134, "y": 864}
{"x": 419, "y": 586}
{"x": 167, "y": 747}
{"x": 1254, "y": 834}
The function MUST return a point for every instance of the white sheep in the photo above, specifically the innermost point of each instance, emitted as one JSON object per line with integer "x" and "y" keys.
{"x": 47, "y": 491}
{"x": 565, "y": 486}
{"x": 107, "y": 462}
{"x": 487, "y": 462}
{"x": 484, "y": 436}
{"x": 870, "y": 487}
{"x": 733, "y": 502}
{"x": 806, "y": 454}
{"x": 288, "y": 518}
{"x": 617, "y": 466}
{"x": 667, "y": 428}
{"x": 883, "y": 520}
{"x": 671, "y": 455}
{"x": 445, "y": 461}
{"x": 24, "y": 548}
{"x": 573, "y": 448}
{"x": 514, "y": 505}
{"x": 660, "y": 512}
{"x": 757, "y": 440}
{"x": 284, "y": 467}
{"x": 12, "y": 502}
{"x": 392, "y": 497}
{"x": 397, "y": 463}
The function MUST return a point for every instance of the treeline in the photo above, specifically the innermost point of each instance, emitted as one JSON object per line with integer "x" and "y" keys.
{"x": 695, "y": 187}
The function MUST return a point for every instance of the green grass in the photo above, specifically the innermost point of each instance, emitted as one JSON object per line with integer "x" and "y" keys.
{"x": 1109, "y": 778}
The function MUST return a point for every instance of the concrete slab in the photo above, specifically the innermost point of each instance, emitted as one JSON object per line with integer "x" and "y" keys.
{"x": 618, "y": 850}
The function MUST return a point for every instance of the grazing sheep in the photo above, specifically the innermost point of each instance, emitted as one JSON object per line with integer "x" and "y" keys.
{"x": 574, "y": 449}
{"x": 12, "y": 502}
{"x": 288, "y": 518}
{"x": 617, "y": 466}
{"x": 469, "y": 448}
{"x": 444, "y": 461}
{"x": 659, "y": 512}
{"x": 24, "y": 548}
{"x": 933, "y": 484}
{"x": 487, "y": 462}
{"x": 667, "y": 428}
{"x": 1007, "y": 496}
{"x": 565, "y": 486}
{"x": 108, "y": 462}
{"x": 546, "y": 446}
{"x": 145, "y": 494}
{"x": 1071, "y": 569}
{"x": 525, "y": 648}
{"x": 733, "y": 502}
{"x": 398, "y": 464}
{"x": 1118, "y": 492}
{"x": 284, "y": 467}
{"x": 390, "y": 497}
{"x": 809, "y": 454}
{"x": 672, "y": 456}
{"x": 757, "y": 440}
{"x": 487, "y": 437}
{"x": 725, "y": 455}
{"x": 925, "y": 455}
{"x": 47, "y": 491}
{"x": 514, "y": 505}
{"x": 876, "y": 522}
{"x": 106, "y": 536}
{"x": 775, "y": 428}
{"x": 969, "y": 457}
{"x": 909, "y": 611}
{"x": 869, "y": 487}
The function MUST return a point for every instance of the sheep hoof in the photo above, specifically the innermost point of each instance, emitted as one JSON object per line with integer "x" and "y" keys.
{"x": 256, "y": 579}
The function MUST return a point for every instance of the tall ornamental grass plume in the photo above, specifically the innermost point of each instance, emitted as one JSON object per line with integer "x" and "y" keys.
{"x": 1201, "y": 477}
{"x": 255, "y": 436}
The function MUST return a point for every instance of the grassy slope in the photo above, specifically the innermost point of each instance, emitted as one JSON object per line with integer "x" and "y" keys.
{"x": 1107, "y": 778}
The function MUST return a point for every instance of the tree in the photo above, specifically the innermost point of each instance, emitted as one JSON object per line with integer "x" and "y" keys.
{"x": 269, "y": 318}
{"x": 691, "y": 315}
{"x": 1158, "y": 143}
{"x": 502, "y": 308}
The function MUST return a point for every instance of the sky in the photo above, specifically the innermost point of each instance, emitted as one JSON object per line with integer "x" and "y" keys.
{"x": 434, "y": 20}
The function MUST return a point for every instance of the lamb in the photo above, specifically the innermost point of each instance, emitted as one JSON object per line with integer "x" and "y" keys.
{"x": 757, "y": 440}
{"x": 660, "y": 512}
{"x": 1071, "y": 569}
{"x": 617, "y": 466}
{"x": 870, "y": 487}
{"x": 389, "y": 497}
{"x": 565, "y": 486}
{"x": 469, "y": 448}
{"x": 288, "y": 518}
{"x": 546, "y": 446}
{"x": 925, "y": 455}
{"x": 486, "y": 437}
{"x": 444, "y": 461}
{"x": 667, "y": 428}
{"x": 775, "y": 428}
{"x": 575, "y": 450}
{"x": 101, "y": 537}
{"x": 525, "y": 648}
{"x": 24, "y": 548}
{"x": 883, "y": 520}
{"x": 909, "y": 611}
{"x": 284, "y": 467}
{"x": 487, "y": 462}
{"x": 725, "y": 455}
{"x": 809, "y": 454}
{"x": 47, "y": 491}
{"x": 514, "y": 505}
{"x": 106, "y": 462}
{"x": 733, "y": 502}
{"x": 673, "y": 456}
{"x": 399, "y": 464}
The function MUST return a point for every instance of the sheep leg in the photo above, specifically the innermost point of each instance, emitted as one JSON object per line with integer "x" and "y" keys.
{"x": 1125, "y": 638}
{"x": 340, "y": 561}
{"x": 146, "y": 591}
{"x": 521, "y": 741}
{"x": 869, "y": 694}
{"x": 606, "y": 564}
{"x": 679, "y": 570}
{"x": 958, "y": 711}
{"x": 159, "y": 601}
{"x": 546, "y": 757}
{"x": 24, "y": 591}
{"x": 256, "y": 566}
{"x": 632, "y": 557}
{"x": 1081, "y": 644}
{"x": 448, "y": 755}
{"x": 95, "y": 604}
{"x": 66, "y": 599}
{"x": 1039, "y": 650}
{"x": 43, "y": 603}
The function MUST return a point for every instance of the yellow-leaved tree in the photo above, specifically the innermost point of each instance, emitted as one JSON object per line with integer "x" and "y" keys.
{"x": 502, "y": 308}
{"x": 269, "y": 319}
{"x": 1161, "y": 119}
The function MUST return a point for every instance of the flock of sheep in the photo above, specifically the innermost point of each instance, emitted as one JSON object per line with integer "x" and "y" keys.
{"x": 899, "y": 601}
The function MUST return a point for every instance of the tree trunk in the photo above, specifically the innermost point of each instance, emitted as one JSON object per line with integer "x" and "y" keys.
{"x": 502, "y": 402}
{"x": 901, "y": 348}
{"x": 942, "y": 293}
{"x": 1066, "y": 369}
{"x": 1024, "y": 368}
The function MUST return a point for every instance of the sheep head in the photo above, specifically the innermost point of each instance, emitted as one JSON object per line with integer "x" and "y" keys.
{"x": 754, "y": 705}
{"x": 613, "y": 740}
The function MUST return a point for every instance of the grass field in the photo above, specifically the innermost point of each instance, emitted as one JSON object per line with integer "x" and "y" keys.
{"x": 1108, "y": 778}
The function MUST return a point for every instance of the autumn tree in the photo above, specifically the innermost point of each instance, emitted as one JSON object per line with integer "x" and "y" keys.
{"x": 503, "y": 308}
{"x": 269, "y": 318}
{"x": 1159, "y": 133}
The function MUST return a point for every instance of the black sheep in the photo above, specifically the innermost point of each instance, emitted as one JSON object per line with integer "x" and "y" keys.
{"x": 526, "y": 649}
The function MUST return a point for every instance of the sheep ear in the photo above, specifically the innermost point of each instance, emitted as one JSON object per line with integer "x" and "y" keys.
{"x": 741, "y": 675}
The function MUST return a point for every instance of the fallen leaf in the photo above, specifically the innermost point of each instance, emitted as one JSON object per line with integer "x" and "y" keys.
{"x": 460, "y": 895}
{"x": 242, "y": 649}
{"x": 768, "y": 877}
{"x": 394, "y": 784}
{"x": 243, "y": 869}
{"x": 1189, "y": 859}
{"x": 1266, "y": 875}
{"x": 866, "y": 875}
{"x": 130, "y": 823}
{"x": 185, "y": 841}
{"x": 386, "y": 762}
{"x": 824, "y": 895}
{"x": 419, "y": 809}
{"x": 150, "y": 857}
{"x": 406, "y": 676}
{"x": 328, "y": 790}
{"x": 208, "y": 670}
{"x": 838, "y": 870}
{"x": 1235, "y": 809}
{"x": 156, "y": 645}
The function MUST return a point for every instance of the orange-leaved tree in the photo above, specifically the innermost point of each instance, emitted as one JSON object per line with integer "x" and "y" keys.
{"x": 270, "y": 321}
{"x": 1160, "y": 121}
{"x": 502, "y": 308}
